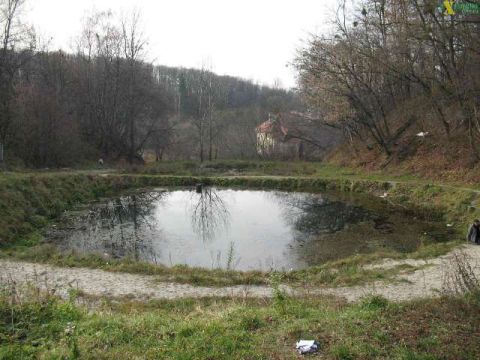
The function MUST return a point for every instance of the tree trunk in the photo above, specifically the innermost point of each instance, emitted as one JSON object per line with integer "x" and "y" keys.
{"x": 2, "y": 160}
{"x": 201, "y": 143}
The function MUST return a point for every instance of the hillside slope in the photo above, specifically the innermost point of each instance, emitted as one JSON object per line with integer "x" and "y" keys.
{"x": 432, "y": 157}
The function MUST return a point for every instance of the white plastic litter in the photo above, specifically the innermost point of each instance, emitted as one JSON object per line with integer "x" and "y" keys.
{"x": 423, "y": 134}
{"x": 307, "y": 346}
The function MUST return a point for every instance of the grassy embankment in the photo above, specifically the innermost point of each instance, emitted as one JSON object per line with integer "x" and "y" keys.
{"x": 39, "y": 326}
{"x": 30, "y": 201}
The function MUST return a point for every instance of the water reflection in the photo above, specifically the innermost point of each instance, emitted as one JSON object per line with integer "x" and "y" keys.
{"x": 119, "y": 227}
{"x": 209, "y": 213}
{"x": 312, "y": 214}
{"x": 240, "y": 229}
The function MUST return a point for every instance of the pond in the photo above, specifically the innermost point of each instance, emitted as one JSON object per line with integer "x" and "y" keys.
{"x": 241, "y": 229}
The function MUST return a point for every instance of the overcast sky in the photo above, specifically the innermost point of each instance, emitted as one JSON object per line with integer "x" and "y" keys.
{"x": 253, "y": 39}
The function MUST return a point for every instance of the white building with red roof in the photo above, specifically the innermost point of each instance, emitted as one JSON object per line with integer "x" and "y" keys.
{"x": 273, "y": 139}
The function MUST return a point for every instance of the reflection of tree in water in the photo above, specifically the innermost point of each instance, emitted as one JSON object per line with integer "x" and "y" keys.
{"x": 315, "y": 214}
{"x": 208, "y": 213}
{"x": 120, "y": 225}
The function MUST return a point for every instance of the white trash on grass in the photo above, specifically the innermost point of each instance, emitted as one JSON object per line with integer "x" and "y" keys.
{"x": 307, "y": 346}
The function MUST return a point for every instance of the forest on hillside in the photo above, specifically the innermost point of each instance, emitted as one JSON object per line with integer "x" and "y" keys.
{"x": 393, "y": 71}
{"x": 386, "y": 71}
{"x": 105, "y": 100}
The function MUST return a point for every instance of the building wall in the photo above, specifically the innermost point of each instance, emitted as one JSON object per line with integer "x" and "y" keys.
{"x": 265, "y": 143}
{"x": 268, "y": 146}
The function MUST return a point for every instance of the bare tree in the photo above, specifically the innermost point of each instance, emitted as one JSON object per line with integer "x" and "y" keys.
{"x": 100, "y": 81}
{"x": 384, "y": 55}
{"x": 203, "y": 114}
{"x": 123, "y": 103}
{"x": 105, "y": 100}
{"x": 17, "y": 44}
{"x": 134, "y": 44}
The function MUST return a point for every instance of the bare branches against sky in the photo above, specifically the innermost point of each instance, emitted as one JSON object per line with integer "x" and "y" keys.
{"x": 250, "y": 39}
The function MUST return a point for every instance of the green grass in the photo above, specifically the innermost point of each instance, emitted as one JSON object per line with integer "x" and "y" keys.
{"x": 351, "y": 271}
{"x": 40, "y": 326}
{"x": 272, "y": 168}
{"x": 28, "y": 202}
{"x": 181, "y": 274}
{"x": 258, "y": 168}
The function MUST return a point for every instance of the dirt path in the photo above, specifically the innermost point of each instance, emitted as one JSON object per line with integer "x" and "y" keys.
{"x": 421, "y": 283}
{"x": 426, "y": 282}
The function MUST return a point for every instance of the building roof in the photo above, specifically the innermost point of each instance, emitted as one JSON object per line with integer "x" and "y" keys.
{"x": 271, "y": 126}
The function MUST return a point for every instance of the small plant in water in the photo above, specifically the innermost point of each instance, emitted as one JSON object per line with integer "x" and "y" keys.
{"x": 231, "y": 255}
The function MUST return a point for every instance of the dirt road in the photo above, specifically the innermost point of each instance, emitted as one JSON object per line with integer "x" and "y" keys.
{"x": 419, "y": 284}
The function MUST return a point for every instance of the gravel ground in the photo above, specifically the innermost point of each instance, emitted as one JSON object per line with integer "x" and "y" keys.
{"x": 427, "y": 282}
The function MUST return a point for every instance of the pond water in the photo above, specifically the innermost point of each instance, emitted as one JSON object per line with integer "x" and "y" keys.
{"x": 241, "y": 229}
